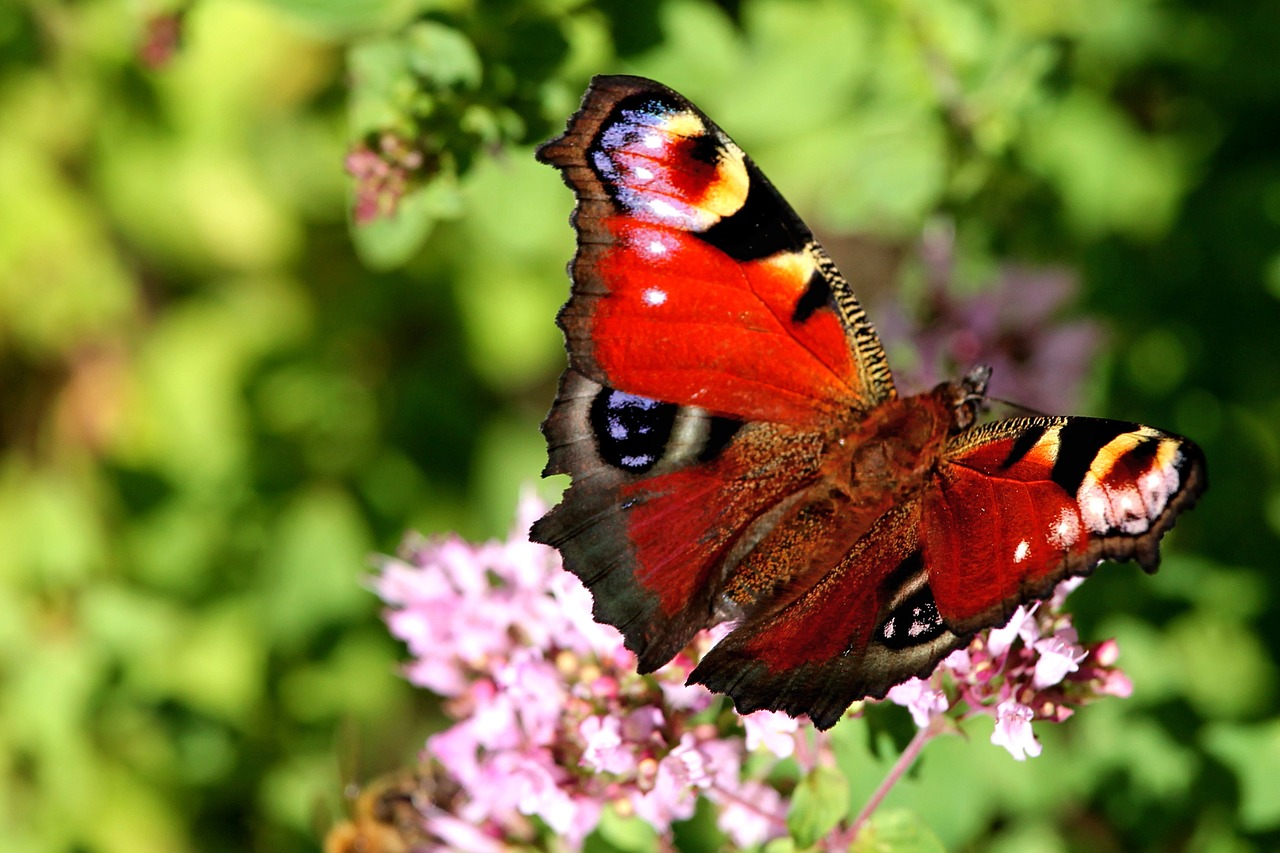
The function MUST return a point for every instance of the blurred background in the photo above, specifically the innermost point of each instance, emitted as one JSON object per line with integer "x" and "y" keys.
{"x": 277, "y": 281}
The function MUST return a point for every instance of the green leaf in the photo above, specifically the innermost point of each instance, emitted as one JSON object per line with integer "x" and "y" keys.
{"x": 780, "y": 845}
{"x": 339, "y": 17}
{"x": 899, "y": 831}
{"x": 389, "y": 242}
{"x": 443, "y": 56}
{"x": 1253, "y": 752}
{"x": 381, "y": 85}
{"x": 618, "y": 833}
{"x": 819, "y": 801}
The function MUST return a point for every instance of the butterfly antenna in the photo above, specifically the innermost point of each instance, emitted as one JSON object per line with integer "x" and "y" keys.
{"x": 975, "y": 394}
{"x": 1017, "y": 407}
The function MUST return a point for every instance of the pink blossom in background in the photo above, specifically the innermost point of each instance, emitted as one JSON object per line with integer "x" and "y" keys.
{"x": 1014, "y": 324}
{"x": 772, "y": 731}
{"x": 1021, "y": 625}
{"x": 751, "y": 816}
{"x": 922, "y": 699}
{"x": 1060, "y": 655}
{"x": 383, "y": 174}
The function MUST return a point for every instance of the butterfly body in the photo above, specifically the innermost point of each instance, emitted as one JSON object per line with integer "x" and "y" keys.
{"x": 739, "y": 451}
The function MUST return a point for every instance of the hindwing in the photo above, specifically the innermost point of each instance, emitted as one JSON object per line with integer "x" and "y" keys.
{"x": 1013, "y": 508}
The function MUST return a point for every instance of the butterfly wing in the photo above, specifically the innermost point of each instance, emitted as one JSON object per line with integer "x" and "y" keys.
{"x": 1040, "y": 499}
{"x": 711, "y": 345}
{"x": 1013, "y": 508}
{"x": 694, "y": 282}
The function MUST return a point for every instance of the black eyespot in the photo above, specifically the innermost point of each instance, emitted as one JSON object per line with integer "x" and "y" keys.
{"x": 755, "y": 230}
{"x": 631, "y": 431}
{"x": 916, "y": 621}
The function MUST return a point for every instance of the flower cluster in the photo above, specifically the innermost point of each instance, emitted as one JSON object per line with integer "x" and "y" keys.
{"x": 383, "y": 174}
{"x": 552, "y": 719}
{"x": 1033, "y": 668}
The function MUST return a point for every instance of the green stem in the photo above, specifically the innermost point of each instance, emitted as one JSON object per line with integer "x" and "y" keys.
{"x": 842, "y": 840}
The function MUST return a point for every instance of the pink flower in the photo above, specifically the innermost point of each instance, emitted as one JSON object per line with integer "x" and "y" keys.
{"x": 753, "y": 814}
{"x": 1013, "y": 730}
{"x": 694, "y": 765}
{"x": 1032, "y": 668}
{"x": 687, "y": 697}
{"x": 1059, "y": 598}
{"x": 1100, "y": 672}
{"x": 673, "y": 795}
{"x": 642, "y": 724}
{"x": 958, "y": 662}
{"x": 1020, "y": 624}
{"x": 923, "y": 700}
{"x": 605, "y": 751}
{"x": 772, "y": 730}
{"x": 383, "y": 176}
{"x": 456, "y": 749}
{"x": 462, "y": 835}
{"x": 1059, "y": 655}
{"x": 531, "y": 782}
{"x": 1115, "y": 683}
{"x": 535, "y": 690}
{"x": 550, "y": 717}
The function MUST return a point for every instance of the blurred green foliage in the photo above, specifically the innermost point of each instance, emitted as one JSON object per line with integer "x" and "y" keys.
{"x": 219, "y": 398}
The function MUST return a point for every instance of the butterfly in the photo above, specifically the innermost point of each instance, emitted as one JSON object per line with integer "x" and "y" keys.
{"x": 738, "y": 450}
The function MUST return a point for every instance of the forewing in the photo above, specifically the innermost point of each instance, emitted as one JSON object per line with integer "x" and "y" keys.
{"x": 694, "y": 281}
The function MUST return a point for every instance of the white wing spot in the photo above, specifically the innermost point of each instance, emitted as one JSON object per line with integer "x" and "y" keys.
{"x": 1157, "y": 485}
{"x": 1131, "y": 515}
{"x": 663, "y": 208}
{"x": 1020, "y": 553}
{"x": 1065, "y": 531}
{"x": 1094, "y": 506}
{"x": 652, "y": 140}
{"x": 656, "y": 247}
{"x": 654, "y": 296}
{"x": 643, "y": 174}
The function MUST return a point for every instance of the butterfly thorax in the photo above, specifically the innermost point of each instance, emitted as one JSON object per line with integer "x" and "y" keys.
{"x": 895, "y": 448}
{"x": 884, "y": 458}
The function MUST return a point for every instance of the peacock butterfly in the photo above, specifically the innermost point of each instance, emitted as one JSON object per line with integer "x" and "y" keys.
{"x": 738, "y": 450}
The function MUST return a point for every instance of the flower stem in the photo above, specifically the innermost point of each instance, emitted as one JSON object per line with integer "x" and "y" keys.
{"x": 726, "y": 796}
{"x": 842, "y": 840}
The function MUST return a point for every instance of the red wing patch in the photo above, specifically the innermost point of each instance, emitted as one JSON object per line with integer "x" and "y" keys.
{"x": 685, "y": 323}
{"x": 828, "y": 647}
